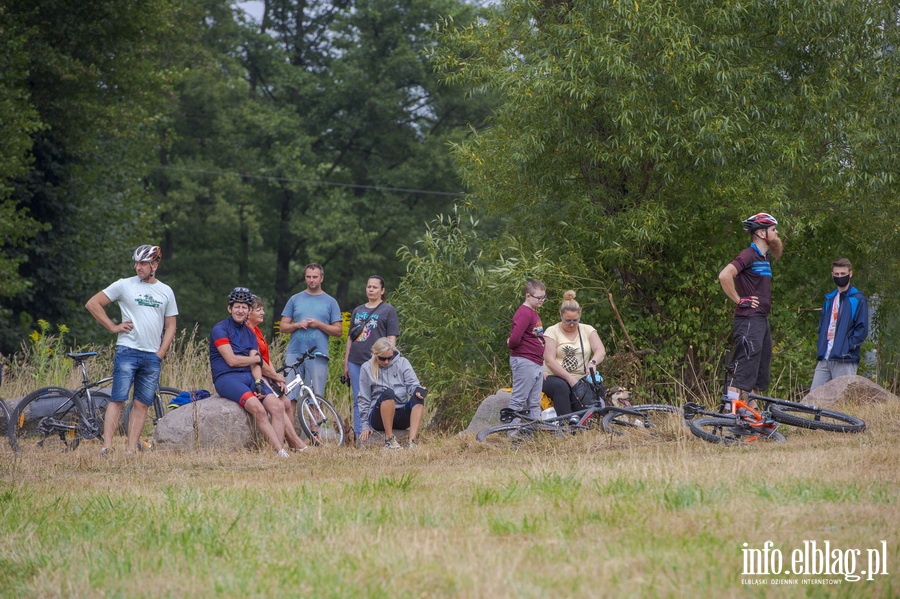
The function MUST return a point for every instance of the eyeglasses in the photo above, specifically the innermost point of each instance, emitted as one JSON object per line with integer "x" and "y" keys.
{"x": 576, "y": 321}
{"x": 385, "y": 358}
{"x": 540, "y": 299}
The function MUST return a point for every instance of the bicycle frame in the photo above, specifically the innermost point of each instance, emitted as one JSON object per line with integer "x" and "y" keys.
{"x": 314, "y": 414}
{"x": 89, "y": 426}
{"x": 298, "y": 381}
{"x": 573, "y": 421}
{"x": 756, "y": 423}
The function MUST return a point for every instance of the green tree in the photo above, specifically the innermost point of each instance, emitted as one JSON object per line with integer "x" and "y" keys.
{"x": 303, "y": 139}
{"x": 455, "y": 305}
{"x": 634, "y": 137}
{"x": 87, "y": 82}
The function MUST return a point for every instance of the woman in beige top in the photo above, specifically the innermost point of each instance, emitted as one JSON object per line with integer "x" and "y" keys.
{"x": 571, "y": 349}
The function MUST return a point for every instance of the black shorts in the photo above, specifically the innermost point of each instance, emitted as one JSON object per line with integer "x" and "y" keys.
{"x": 401, "y": 416}
{"x": 752, "y": 353}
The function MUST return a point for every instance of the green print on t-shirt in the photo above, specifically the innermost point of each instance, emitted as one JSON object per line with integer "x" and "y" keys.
{"x": 147, "y": 300}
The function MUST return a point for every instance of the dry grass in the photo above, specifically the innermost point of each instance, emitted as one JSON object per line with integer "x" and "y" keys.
{"x": 589, "y": 516}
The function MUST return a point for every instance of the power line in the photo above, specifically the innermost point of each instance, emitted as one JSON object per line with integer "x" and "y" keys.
{"x": 453, "y": 194}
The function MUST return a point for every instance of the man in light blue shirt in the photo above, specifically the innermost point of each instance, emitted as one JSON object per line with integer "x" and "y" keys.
{"x": 311, "y": 316}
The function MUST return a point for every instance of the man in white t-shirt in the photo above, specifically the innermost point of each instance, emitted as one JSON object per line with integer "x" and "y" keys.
{"x": 144, "y": 336}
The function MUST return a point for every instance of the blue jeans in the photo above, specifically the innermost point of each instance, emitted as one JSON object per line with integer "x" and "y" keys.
{"x": 314, "y": 373}
{"x": 354, "y": 386}
{"x": 138, "y": 368}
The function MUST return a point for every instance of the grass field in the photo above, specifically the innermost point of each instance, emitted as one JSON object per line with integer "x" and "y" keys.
{"x": 591, "y": 516}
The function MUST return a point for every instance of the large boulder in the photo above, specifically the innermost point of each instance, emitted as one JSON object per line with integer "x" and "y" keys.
{"x": 488, "y": 413}
{"x": 211, "y": 423}
{"x": 848, "y": 388}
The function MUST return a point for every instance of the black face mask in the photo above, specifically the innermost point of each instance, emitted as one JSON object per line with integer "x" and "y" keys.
{"x": 842, "y": 281}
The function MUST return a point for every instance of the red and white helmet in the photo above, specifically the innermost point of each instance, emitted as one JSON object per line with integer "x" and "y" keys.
{"x": 759, "y": 221}
{"x": 147, "y": 253}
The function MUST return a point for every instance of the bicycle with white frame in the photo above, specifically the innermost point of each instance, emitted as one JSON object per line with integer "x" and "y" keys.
{"x": 318, "y": 418}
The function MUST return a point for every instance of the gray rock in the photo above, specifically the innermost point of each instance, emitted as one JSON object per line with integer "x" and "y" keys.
{"x": 211, "y": 423}
{"x": 848, "y": 388}
{"x": 488, "y": 413}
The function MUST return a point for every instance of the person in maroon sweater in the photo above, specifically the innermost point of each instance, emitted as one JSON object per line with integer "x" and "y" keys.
{"x": 526, "y": 356}
{"x": 747, "y": 281}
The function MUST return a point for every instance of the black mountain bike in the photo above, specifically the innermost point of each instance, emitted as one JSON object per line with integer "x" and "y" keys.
{"x": 738, "y": 422}
{"x": 56, "y": 418}
{"x": 519, "y": 427}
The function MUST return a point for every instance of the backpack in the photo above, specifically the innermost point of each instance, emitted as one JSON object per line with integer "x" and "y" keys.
{"x": 587, "y": 392}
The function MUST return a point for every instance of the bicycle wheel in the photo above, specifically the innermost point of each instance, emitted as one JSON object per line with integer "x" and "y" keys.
{"x": 724, "y": 430}
{"x": 824, "y": 420}
{"x": 4, "y": 417}
{"x": 163, "y": 396}
{"x": 513, "y": 435}
{"x": 320, "y": 422}
{"x": 47, "y": 419}
{"x": 656, "y": 419}
{"x": 505, "y": 435}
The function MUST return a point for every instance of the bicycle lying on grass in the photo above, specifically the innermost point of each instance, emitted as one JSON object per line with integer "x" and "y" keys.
{"x": 739, "y": 422}
{"x": 318, "y": 418}
{"x": 519, "y": 426}
{"x": 56, "y": 418}
{"x": 655, "y": 418}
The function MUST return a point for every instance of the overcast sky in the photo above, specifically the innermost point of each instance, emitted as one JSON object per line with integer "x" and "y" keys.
{"x": 254, "y": 8}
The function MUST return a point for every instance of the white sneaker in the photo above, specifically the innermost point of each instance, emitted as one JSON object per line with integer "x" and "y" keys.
{"x": 391, "y": 443}
{"x": 282, "y": 453}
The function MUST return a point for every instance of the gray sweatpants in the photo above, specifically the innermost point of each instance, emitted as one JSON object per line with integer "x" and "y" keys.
{"x": 527, "y": 380}
{"x": 827, "y": 370}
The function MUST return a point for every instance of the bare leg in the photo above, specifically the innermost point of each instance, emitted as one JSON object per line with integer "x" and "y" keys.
{"x": 136, "y": 424}
{"x": 388, "y": 408}
{"x": 111, "y": 422}
{"x": 290, "y": 433}
{"x": 415, "y": 421}
{"x": 751, "y": 402}
{"x": 255, "y": 408}
{"x": 275, "y": 407}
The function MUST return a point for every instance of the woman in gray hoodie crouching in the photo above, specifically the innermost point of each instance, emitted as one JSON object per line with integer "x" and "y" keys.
{"x": 390, "y": 396}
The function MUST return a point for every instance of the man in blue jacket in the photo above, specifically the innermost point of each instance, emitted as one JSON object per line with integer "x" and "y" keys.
{"x": 843, "y": 327}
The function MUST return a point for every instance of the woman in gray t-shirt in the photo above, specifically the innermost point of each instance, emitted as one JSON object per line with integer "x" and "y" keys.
{"x": 378, "y": 319}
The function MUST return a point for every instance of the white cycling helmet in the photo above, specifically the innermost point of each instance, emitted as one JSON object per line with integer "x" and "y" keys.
{"x": 147, "y": 253}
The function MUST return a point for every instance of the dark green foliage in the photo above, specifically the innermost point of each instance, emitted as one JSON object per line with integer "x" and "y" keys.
{"x": 83, "y": 83}
{"x": 632, "y": 138}
{"x": 304, "y": 142}
{"x": 456, "y": 305}
{"x": 246, "y": 150}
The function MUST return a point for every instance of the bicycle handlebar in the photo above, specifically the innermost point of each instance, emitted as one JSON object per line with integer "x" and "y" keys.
{"x": 308, "y": 354}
